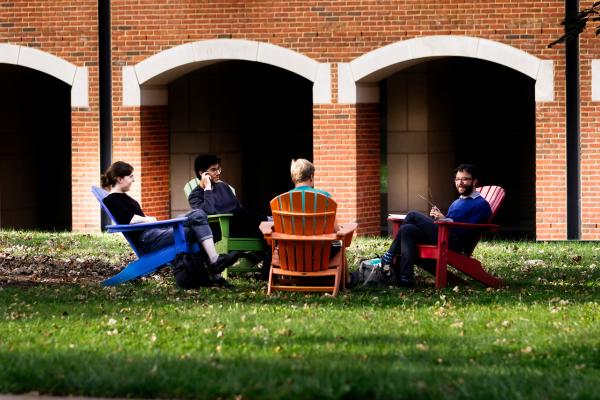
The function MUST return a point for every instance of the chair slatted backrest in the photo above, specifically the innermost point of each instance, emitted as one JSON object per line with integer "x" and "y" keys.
{"x": 494, "y": 195}
{"x": 309, "y": 214}
{"x": 100, "y": 194}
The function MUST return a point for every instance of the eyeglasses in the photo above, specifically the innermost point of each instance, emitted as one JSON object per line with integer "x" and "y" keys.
{"x": 458, "y": 180}
{"x": 215, "y": 170}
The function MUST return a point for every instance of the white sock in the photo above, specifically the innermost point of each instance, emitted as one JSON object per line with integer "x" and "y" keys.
{"x": 209, "y": 246}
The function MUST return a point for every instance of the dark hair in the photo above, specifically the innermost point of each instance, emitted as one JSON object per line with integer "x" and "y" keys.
{"x": 203, "y": 161}
{"x": 118, "y": 169}
{"x": 468, "y": 168}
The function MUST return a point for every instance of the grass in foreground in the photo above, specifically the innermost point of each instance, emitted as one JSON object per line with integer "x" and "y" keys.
{"x": 538, "y": 337}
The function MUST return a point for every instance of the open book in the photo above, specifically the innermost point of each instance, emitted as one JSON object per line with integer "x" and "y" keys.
{"x": 396, "y": 216}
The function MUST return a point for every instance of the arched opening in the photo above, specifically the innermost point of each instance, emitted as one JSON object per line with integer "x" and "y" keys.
{"x": 35, "y": 150}
{"x": 255, "y": 116}
{"x": 453, "y": 110}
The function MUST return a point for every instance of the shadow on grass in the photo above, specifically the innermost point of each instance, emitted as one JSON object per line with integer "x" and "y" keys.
{"x": 329, "y": 375}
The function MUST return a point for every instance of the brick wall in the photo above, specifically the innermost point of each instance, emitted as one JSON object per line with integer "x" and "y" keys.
{"x": 68, "y": 30}
{"x": 346, "y": 136}
{"x": 590, "y": 140}
{"x": 326, "y": 31}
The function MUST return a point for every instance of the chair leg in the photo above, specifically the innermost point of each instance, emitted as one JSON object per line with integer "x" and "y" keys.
{"x": 441, "y": 268}
{"x": 474, "y": 269}
{"x": 270, "y": 285}
{"x": 142, "y": 266}
{"x": 338, "y": 279}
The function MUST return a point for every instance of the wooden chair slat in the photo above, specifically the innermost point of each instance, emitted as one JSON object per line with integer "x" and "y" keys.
{"x": 299, "y": 217}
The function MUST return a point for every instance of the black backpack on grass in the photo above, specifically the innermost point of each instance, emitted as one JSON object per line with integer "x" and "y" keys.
{"x": 190, "y": 272}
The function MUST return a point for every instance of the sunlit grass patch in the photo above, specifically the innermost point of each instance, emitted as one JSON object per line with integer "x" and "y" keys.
{"x": 537, "y": 337}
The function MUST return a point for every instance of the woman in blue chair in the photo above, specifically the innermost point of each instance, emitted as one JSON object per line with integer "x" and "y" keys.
{"x": 119, "y": 177}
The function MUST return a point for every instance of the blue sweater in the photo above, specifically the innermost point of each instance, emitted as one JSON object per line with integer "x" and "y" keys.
{"x": 469, "y": 210}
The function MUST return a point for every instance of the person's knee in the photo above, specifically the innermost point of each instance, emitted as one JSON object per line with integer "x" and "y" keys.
{"x": 413, "y": 216}
{"x": 408, "y": 229}
{"x": 198, "y": 216}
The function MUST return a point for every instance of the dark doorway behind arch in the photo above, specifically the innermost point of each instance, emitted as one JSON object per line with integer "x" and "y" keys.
{"x": 35, "y": 150}
{"x": 256, "y": 117}
{"x": 456, "y": 110}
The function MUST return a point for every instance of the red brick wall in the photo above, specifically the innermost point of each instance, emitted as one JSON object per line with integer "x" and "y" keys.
{"x": 368, "y": 160}
{"x": 339, "y": 32}
{"x": 335, "y": 155}
{"x": 590, "y": 141}
{"x": 69, "y": 30}
{"x": 155, "y": 161}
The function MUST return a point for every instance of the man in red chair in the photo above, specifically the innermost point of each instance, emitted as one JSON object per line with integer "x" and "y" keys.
{"x": 418, "y": 228}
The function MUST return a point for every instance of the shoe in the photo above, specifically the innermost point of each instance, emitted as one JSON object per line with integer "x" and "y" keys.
{"x": 222, "y": 282}
{"x": 353, "y": 280}
{"x": 405, "y": 282}
{"x": 224, "y": 261}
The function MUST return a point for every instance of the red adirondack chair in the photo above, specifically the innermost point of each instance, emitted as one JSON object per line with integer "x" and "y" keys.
{"x": 463, "y": 262}
{"x": 301, "y": 237}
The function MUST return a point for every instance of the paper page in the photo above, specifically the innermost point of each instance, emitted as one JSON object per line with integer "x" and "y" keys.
{"x": 397, "y": 216}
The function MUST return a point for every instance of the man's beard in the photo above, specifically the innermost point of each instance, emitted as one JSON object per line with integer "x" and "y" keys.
{"x": 467, "y": 190}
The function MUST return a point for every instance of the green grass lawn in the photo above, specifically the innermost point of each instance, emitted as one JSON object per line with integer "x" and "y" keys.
{"x": 538, "y": 337}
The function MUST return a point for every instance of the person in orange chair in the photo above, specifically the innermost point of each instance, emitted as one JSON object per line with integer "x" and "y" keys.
{"x": 303, "y": 177}
{"x": 119, "y": 177}
{"x": 418, "y": 228}
{"x": 302, "y": 172}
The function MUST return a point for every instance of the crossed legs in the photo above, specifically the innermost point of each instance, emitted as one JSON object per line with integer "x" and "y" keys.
{"x": 416, "y": 229}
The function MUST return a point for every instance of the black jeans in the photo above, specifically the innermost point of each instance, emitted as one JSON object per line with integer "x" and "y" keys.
{"x": 416, "y": 229}
{"x": 195, "y": 228}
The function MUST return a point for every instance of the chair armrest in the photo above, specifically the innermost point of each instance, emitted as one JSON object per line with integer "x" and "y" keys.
{"x": 219, "y": 216}
{"x": 464, "y": 225}
{"x": 312, "y": 238}
{"x": 146, "y": 225}
{"x": 266, "y": 227}
{"x": 346, "y": 232}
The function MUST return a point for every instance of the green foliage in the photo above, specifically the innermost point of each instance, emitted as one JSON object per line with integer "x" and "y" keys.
{"x": 576, "y": 23}
{"x": 537, "y": 337}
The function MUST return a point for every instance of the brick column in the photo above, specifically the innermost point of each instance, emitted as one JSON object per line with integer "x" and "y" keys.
{"x": 346, "y": 156}
{"x": 141, "y": 138}
{"x": 551, "y": 204}
{"x": 590, "y": 140}
{"x": 155, "y": 161}
{"x": 85, "y": 158}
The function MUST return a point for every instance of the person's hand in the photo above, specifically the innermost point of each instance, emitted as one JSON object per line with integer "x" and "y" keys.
{"x": 436, "y": 213}
{"x": 205, "y": 182}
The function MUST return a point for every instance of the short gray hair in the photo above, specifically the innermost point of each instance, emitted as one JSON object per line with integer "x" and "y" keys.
{"x": 301, "y": 170}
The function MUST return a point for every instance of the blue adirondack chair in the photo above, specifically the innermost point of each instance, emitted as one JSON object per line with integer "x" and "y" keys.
{"x": 146, "y": 263}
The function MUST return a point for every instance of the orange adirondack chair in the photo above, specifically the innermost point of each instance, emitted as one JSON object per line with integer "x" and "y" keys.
{"x": 463, "y": 262}
{"x": 301, "y": 237}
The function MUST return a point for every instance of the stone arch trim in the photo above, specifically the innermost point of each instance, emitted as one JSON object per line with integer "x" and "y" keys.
{"x": 357, "y": 80}
{"x": 145, "y": 83}
{"x": 72, "y": 75}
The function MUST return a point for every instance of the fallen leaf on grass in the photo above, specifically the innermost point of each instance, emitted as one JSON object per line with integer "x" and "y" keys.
{"x": 527, "y": 350}
{"x": 422, "y": 347}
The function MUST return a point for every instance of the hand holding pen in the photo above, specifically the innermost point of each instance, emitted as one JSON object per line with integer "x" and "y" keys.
{"x": 435, "y": 211}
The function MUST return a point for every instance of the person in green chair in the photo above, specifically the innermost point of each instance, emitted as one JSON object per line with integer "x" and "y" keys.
{"x": 215, "y": 196}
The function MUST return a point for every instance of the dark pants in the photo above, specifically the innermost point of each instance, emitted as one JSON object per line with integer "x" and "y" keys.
{"x": 195, "y": 228}
{"x": 416, "y": 229}
{"x": 245, "y": 224}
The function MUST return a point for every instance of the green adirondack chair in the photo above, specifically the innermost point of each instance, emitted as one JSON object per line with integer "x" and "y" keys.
{"x": 253, "y": 248}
